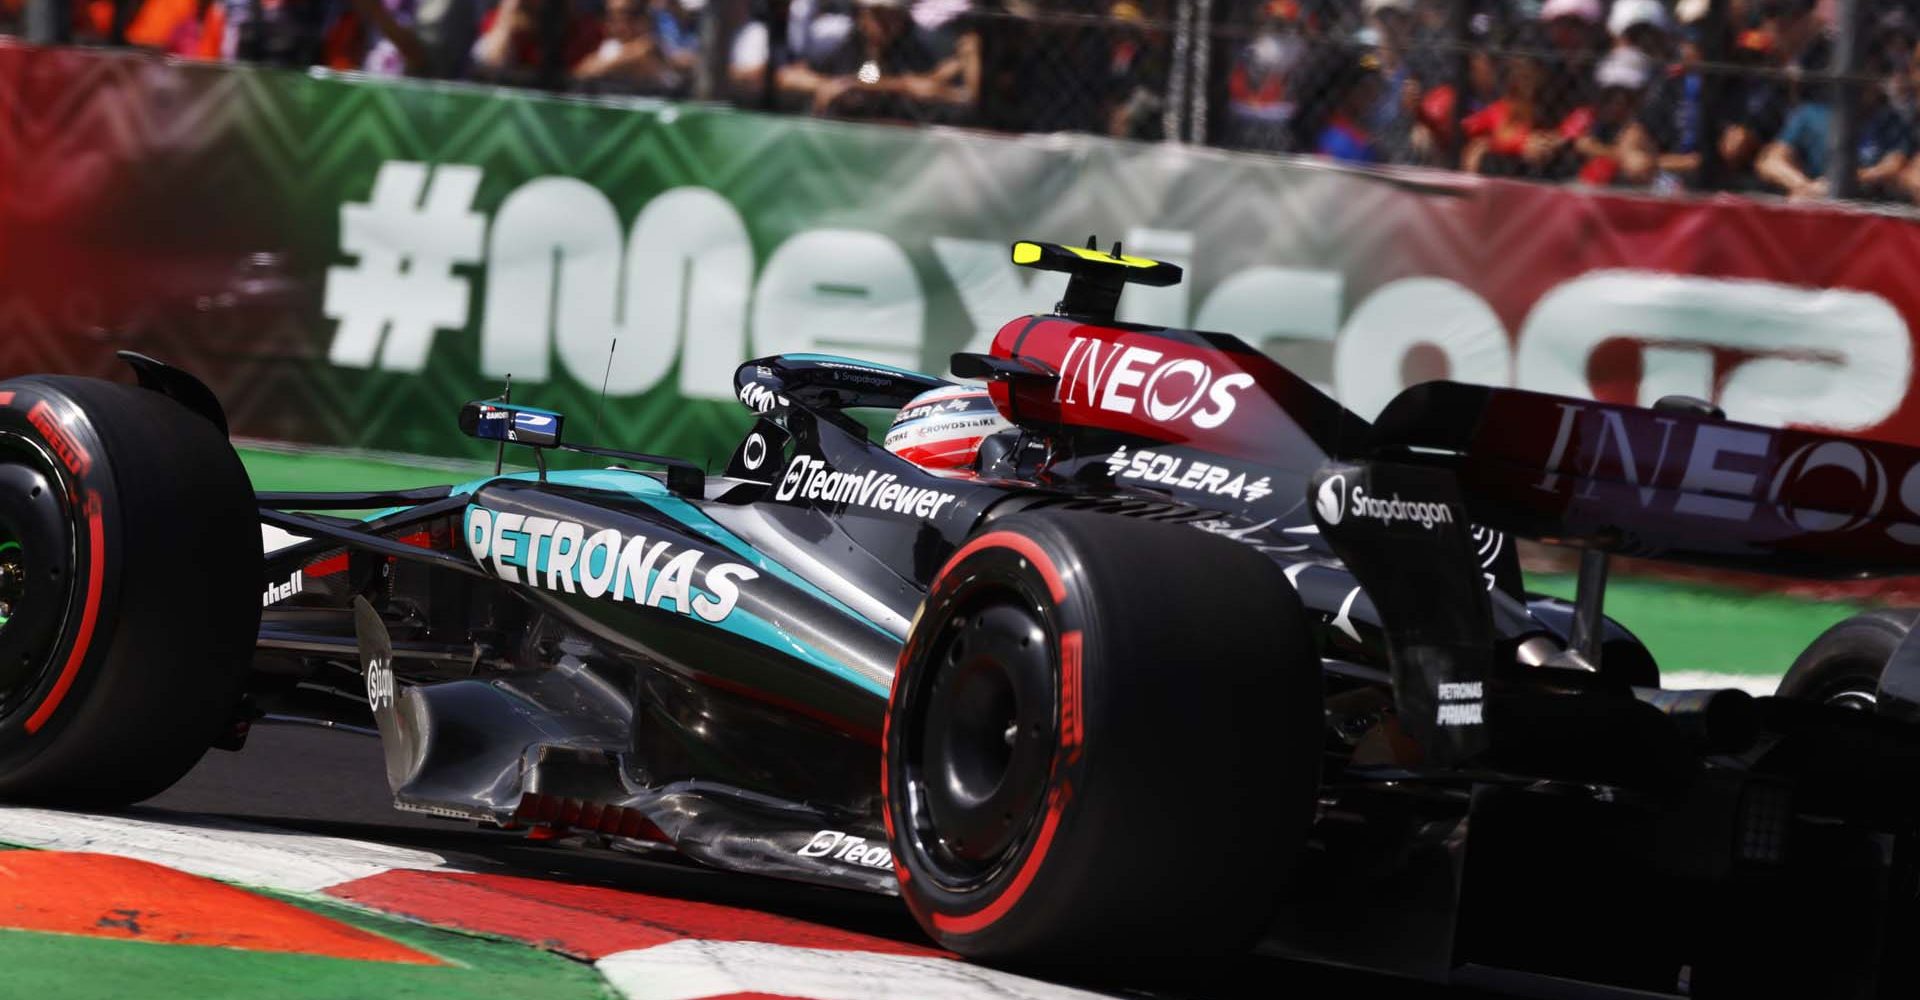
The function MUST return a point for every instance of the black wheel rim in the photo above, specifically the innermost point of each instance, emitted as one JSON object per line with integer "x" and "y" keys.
{"x": 13, "y": 577}
{"x": 37, "y": 577}
{"x": 979, "y": 750}
{"x": 1858, "y": 692}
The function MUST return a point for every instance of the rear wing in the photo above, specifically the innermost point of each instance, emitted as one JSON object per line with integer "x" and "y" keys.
{"x": 1671, "y": 482}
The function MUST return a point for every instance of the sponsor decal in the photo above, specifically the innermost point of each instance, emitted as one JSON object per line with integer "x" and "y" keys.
{"x": 753, "y": 453}
{"x": 74, "y": 457}
{"x": 959, "y": 429}
{"x": 1487, "y": 544}
{"x": 1146, "y": 383}
{"x": 808, "y": 478}
{"x": 1807, "y": 483}
{"x": 761, "y": 399}
{"x": 1460, "y": 704}
{"x": 837, "y": 846}
{"x": 951, "y": 404}
{"x": 1422, "y": 512}
{"x": 1187, "y": 474}
{"x": 277, "y": 592}
{"x": 561, "y": 556}
{"x": 1331, "y": 503}
{"x": 379, "y": 683}
{"x": 532, "y": 424}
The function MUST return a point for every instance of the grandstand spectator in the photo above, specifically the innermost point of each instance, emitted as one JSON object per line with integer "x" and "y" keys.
{"x": 1437, "y": 111}
{"x": 1260, "y": 90}
{"x": 275, "y": 32}
{"x": 1136, "y": 73}
{"x": 1893, "y": 40}
{"x": 1355, "y": 85}
{"x": 1612, "y": 146}
{"x": 812, "y": 29}
{"x": 1795, "y": 163}
{"x": 632, "y": 58}
{"x": 1789, "y": 43}
{"x": 1045, "y": 66}
{"x": 1518, "y": 134}
{"x": 189, "y": 29}
{"x": 1394, "y": 118}
{"x": 1672, "y": 116}
{"x": 887, "y": 68}
{"x": 1643, "y": 25}
{"x": 527, "y": 42}
{"x": 1577, "y": 37}
{"x": 379, "y": 37}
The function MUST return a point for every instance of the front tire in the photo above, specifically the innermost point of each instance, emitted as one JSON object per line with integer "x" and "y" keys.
{"x": 1103, "y": 743}
{"x": 130, "y": 574}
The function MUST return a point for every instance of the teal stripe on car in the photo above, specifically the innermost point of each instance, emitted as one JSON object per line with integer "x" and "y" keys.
{"x": 655, "y": 494}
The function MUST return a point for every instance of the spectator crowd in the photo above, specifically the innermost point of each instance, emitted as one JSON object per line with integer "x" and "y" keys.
{"x": 1656, "y": 94}
{"x": 1627, "y": 93}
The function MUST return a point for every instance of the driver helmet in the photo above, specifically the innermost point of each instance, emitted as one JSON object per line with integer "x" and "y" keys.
{"x": 941, "y": 429}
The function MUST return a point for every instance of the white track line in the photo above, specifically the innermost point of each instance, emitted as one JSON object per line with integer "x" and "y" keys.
{"x": 1689, "y": 680}
{"x": 233, "y": 852}
{"x": 692, "y": 970}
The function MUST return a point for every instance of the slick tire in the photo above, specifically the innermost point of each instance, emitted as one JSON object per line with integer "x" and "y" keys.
{"x": 1843, "y": 666}
{"x": 1103, "y": 744}
{"x": 130, "y": 574}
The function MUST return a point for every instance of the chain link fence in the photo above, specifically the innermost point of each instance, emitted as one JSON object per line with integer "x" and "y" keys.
{"x": 1800, "y": 98}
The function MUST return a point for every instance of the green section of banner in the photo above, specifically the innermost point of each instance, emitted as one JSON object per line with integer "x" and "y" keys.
{"x": 85, "y": 968}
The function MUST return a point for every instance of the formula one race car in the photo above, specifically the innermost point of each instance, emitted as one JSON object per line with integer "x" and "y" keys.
{"x": 1147, "y": 649}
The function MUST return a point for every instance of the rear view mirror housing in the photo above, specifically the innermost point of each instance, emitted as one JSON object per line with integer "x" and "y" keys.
{"x": 491, "y": 420}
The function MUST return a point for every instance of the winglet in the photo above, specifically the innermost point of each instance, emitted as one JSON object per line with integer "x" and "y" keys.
{"x": 1098, "y": 278}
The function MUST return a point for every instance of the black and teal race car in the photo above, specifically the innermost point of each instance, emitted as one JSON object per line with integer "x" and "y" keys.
{"x": 1189, "y": 660}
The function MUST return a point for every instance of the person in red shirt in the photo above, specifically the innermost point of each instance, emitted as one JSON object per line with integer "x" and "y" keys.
{"x": 510, "y": 51}
{"x": 1517, "y": 135}
{"x": 1612, "y": 145}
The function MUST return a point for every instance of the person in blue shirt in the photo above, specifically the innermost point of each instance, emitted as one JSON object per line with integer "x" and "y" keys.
{"x": 1795, "y": 163}
{"x": 1357, "y": 87}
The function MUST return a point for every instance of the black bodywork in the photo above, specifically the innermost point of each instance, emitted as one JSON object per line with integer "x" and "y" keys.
{"x": 707, "y": 666}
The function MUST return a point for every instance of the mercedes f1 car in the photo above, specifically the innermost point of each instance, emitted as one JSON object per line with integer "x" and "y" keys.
{"x": 1183, "y": 658}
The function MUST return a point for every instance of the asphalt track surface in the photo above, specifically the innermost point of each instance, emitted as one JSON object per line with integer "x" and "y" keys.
{"x": 333, "y": 783}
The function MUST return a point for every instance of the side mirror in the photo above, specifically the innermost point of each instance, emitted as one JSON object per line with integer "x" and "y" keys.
{"x": 490, "y": 420}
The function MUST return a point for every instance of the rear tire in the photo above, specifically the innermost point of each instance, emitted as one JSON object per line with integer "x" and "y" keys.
{"x": 1103, "y": 743}
{"x": 1842, "y": 667}
{"x": 132, "y": 570}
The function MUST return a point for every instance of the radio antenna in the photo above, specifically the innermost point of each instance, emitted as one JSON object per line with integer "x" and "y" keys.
{"x": 600, "y": 413}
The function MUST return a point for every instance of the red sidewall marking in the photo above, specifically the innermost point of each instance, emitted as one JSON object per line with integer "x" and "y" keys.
{"x": 1072, "y": 713}
{"x": 6, "y": 399}
{"x": 1018, "y": 543}
{"x": 990, "y": 914}
{"x": 1072, "y": 732}
{"x": 89, "y": 616}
